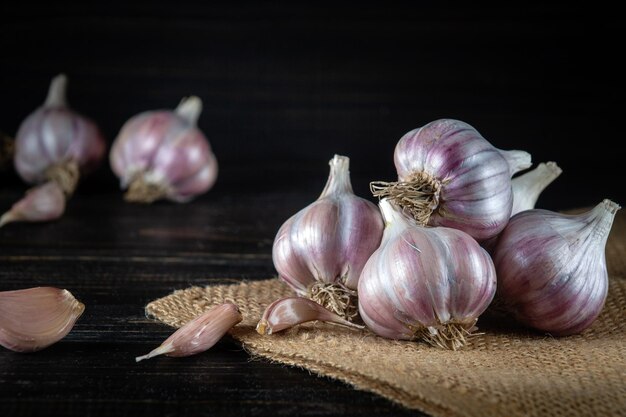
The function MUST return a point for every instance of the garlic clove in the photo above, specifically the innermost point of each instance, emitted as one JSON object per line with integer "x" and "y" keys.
{"x": 287, "y": 312}
{"x": 41, "y": 203}
{"x": 200, "y": 334}
{"x": 35, "y": 318}
{"x": 528, "y": 186}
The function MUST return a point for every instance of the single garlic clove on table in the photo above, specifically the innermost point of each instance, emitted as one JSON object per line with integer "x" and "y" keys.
{"x": 35, "y": 318}
{"x": 200, "y": 334}
{"x": 41, "y": 203}
{"x": 320, "y": 251}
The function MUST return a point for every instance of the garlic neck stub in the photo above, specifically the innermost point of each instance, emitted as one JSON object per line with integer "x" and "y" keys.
{"x": 423, "y": 283}
{"x": 163, "y": 155}
{"x": 449, "y": 175}
{"x": 528, "y": 187}
{"x": 320, "y": 251}
{"x": 551, "y": 267}
{"x": 57, "y": 144}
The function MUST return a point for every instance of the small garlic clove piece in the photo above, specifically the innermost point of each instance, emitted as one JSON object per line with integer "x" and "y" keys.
{"x": 528, "y": 186}
{"x": 41, "y": 203}
{"x": 200, "y": 334}
{"x": 287, "y": 312}
{"x": 35, "y": 318}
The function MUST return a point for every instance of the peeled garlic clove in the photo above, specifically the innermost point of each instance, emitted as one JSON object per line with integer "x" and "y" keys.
{"x": 200, "y": 334}
{"x": 41, "y": 203}
{"x": 35, "y": 318}
{"x": 287, "y": 312}
{"x": 425, "y": 283}
{"x": 552, "y": 268}
{"x": 528, "y": 187}
{"x": 449, "y": 175}
{"x": 55, "y": 143}
{"x": 320, "y": 251}
{"x": 163, "y": 155}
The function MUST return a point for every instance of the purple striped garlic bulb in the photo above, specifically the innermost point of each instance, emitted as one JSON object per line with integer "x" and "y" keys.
{"x": 425, "y": 283}
{"x": 551, "y": 267}
{"x": 57, "y": 144}
{"x": 449, "y": 175}
{"x": 163, "y": 155}
{"x": 321, "y": 250}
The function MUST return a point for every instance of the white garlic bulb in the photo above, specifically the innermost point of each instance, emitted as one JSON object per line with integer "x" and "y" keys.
{"x": 552, "y": 269}
{"x": 163, "y": 155}
{"x": 425, "y": 283}
{"x": 449, "y": 175}
{"x": 320, "y": 251}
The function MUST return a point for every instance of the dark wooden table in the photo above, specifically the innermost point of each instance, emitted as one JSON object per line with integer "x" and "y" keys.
{"x": 115, "y": 257}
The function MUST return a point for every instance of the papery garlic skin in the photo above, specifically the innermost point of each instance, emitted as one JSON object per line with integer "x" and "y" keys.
{"x": 56, "y": 143}
{"x": 41, "y": 203}
{"x": 528, "y": 186}
{"x": 200, "y": 334}
{"x": 35, "y": 318}
{"x": 320, "y": 251}
{"x": 425, "y": 283}
{"x": 163, "y": 154}
{"x": 449, "y": 175}
{"x": 551, "y": 267}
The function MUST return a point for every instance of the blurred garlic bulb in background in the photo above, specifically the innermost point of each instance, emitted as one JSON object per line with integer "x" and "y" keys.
{"x": 163, "y": 155}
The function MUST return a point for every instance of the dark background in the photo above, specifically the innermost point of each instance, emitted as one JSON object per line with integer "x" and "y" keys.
{"x": 286, "y": 85}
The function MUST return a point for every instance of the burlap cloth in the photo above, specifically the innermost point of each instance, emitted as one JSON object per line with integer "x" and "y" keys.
{"x": 507, "y": 371}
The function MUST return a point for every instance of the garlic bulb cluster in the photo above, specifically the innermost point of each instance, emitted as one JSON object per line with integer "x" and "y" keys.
{"x": 552, "y": 269}
{"x": 163, "y": 155}
{"x": 321, "y": 250}
{"x": 425, "y": 283}
{"x": 449, "y": 175}
{"x": 35, "y": 318}
{"x": 200, "y": 334}
{"x": 57, "y": 144}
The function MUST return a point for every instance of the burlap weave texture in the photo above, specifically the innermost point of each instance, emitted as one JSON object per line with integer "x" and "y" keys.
{"x": 507, "y": 371}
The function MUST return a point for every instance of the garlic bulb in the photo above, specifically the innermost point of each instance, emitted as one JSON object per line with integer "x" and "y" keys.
{"x": 425, "y": 283}
{"x": 56, "y": 144}
{"x": 551, "y": 267}
{"x": 449, "y": 175}
{"x": 200, "y": 334}
{"x": 528, "y": 186}
{"x": 163, "y": 154}
{"x": 320, "y": 251}
{"x": 287, "y": 312}
{"x": 41, "y": 203}
{"x": 35, "y": 318}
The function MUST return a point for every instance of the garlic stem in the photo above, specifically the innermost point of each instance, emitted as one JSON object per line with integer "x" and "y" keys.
{"x": 517, "y": 160}
{"x": 57, "y": 92}
{"x": 390, "y": 214}
{"x": 339, "y": 178}
{"x": 190, "y": 109}
{"x": 528, "y": 186}
{"x": 287, "y": 312}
